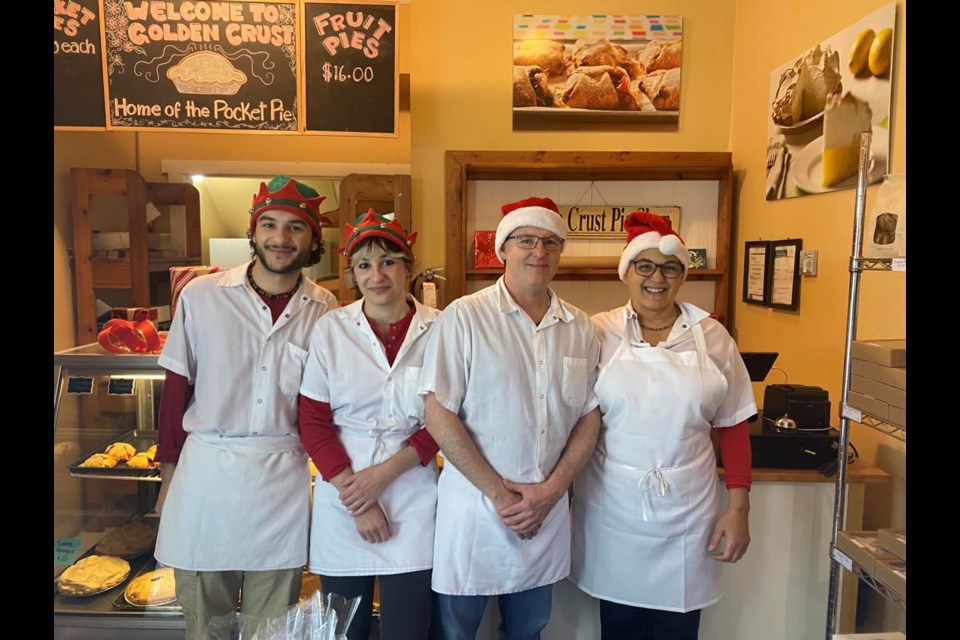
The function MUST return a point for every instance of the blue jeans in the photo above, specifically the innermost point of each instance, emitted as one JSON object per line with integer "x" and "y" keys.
{"x": 523, "y": 615}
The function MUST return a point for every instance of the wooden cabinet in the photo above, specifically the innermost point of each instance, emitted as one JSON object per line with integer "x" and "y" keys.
{"x": 464, "y": 168}
{"x": 133, "y": 270}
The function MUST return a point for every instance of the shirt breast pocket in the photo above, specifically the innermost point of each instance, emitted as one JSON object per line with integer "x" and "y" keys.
{"x": 574, "y": 382}
{"x": 291, "y": 369}
{"x": 407, "y": 393}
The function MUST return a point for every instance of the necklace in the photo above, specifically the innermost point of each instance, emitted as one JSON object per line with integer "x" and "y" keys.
{"x": 663, "y": 328}
{"x": 643, "y": 326}
{"x": 272, "y": 296}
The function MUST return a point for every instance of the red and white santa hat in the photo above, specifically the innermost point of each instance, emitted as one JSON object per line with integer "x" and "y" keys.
{"x": 651, "y": 231}
{"x": 542, "y": 213}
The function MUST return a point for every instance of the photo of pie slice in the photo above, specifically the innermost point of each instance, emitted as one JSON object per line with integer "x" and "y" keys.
{"x": 93, "y": 574}
{"x": 207, "y": 73}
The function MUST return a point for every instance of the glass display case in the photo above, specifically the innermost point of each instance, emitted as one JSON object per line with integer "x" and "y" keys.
{"x": 101, "y": 399}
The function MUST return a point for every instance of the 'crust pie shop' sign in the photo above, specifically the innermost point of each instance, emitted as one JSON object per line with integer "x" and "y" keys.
{"x": 201, "y": 65}
{"x": 606, "y": 222}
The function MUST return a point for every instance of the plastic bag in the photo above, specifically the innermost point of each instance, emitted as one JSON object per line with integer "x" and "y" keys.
{"x": 320, "y": 617}
{"x": 886, "y": 232}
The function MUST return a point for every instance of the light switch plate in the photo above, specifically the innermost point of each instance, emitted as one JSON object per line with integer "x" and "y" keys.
{"x": 808, "y": 262}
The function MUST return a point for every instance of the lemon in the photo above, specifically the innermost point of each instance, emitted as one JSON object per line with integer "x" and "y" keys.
{"x": 879, "y": 58}
{"x": 860, "y": 52}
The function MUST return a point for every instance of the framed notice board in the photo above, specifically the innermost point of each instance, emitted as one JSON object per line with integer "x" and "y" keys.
{"x": 78, "y": 65}
{"x": 202, "y": 66}
{"x": 350, "y": 67}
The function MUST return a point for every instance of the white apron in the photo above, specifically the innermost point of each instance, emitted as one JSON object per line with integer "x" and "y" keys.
{"x": 237, "y": 504}
{"x": 410, "y": 501}
{"x": 481, "y": 556}
{"x": 645, "y": 504}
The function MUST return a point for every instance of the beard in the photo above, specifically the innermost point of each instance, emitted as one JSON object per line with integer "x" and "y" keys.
{"x": 297, "y": 262}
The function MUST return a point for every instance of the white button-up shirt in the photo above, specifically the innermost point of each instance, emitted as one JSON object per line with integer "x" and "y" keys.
{"x": 245, "y": 369}
{"x": 518, "y": 388}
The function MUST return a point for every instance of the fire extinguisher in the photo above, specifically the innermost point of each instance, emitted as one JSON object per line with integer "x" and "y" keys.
{"x": 426, "y": 291}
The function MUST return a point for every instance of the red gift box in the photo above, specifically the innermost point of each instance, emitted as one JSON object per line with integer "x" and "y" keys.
{"x": 484, "y": 252}
{"x": 180, "y": 276}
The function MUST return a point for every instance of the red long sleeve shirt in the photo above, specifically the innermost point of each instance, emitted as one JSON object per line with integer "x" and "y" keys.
{"x": 735, "y": 450}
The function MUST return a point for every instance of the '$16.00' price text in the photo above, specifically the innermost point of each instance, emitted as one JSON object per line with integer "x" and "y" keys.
{"x": 337, "y": 73}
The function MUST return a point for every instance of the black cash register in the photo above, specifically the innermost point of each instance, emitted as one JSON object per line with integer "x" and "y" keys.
{"x": 812, "y": 445}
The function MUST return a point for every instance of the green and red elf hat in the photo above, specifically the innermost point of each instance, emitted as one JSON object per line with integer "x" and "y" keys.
{"x": 373, "y": 225}
{"x": 283, "y": 193}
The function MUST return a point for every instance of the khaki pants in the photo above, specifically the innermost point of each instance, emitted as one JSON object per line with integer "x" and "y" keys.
{"x": 207, "y": 594}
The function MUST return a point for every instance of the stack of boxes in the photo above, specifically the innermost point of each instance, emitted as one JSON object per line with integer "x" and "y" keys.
{"x": 893, "y": 573}
{"x": 882, "y": 554}
{"x": 878, "y": 380}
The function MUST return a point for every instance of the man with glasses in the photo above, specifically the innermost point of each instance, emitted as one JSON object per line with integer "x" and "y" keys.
{"x": 508, "y": 381}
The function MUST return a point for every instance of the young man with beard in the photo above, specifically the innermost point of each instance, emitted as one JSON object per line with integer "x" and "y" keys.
{"x": 234, "y": 500}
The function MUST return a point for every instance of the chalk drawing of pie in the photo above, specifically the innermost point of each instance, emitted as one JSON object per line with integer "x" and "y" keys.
{"x": 206, "y": 72}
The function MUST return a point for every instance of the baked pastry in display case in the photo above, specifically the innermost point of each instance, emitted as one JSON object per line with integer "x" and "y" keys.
{"x": 105, "y": 489}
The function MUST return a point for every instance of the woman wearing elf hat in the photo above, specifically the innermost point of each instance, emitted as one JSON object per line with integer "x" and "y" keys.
{"x": 361, "y": 421}
{"x": 649, "y": 530}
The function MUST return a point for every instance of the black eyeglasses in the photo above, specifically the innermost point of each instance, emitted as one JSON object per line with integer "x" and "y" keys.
{"x": 646, "y": 268}
{"x": 550, "y": 243}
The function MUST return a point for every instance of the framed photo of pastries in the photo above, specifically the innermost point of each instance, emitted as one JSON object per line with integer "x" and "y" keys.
{"x": 570, "y": 70}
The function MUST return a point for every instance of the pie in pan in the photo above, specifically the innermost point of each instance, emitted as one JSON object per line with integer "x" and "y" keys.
{"x": 93, "y": 574}
{"x": 152, "y": 588}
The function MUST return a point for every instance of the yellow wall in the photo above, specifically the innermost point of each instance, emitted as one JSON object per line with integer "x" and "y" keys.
{"x": 811, "y": 341}
{"x": 461, "y": 96}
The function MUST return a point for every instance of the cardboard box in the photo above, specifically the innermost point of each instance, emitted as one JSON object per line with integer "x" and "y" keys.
{"x": 897, "y": 416}
{"x": 868, "y": 405}
{"x": 893, "y": 541}
{"x": 893, "y": 376}
{"x": 879, "y": 391}
{"x": 889, "y": 353}
{"x": 892, "y": 573}
{"x": 863, "y": 548}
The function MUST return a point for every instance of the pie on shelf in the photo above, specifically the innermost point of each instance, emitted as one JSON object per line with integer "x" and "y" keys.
{"x": 152, "y": 588}
{"x": 99, "y": 461}
{"x": 93, "y": 574}
{"x": 122, "y": 451}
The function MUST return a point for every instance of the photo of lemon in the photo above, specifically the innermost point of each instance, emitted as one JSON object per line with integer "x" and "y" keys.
{"x": 860, "y": 52}
{"x": 879, "y": 57}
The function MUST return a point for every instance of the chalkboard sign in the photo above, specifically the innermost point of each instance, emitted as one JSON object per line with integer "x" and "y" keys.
{"x": 79, "y": 385}
{"x": 121, "y": 387}
{"x": 350, "y": 58}
{"x": 202, "y": 65}
{"x": 77, "y": 64}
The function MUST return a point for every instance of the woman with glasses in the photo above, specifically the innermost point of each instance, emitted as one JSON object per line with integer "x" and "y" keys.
{"x": 361, "y": 421}
{"x": 649, "y": 529}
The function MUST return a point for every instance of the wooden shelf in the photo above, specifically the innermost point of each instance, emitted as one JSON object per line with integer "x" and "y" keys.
{"x": 462, "y": 168}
